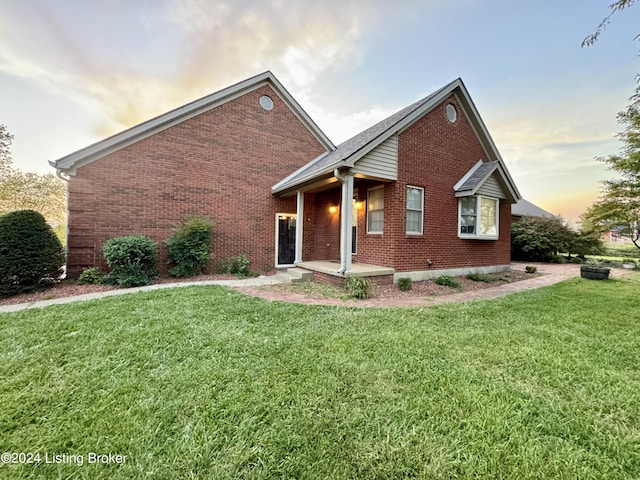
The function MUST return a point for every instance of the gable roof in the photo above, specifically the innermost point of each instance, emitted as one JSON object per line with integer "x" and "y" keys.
{"x": 352, "y": 150}
{"x": 327, "y": 162}
{"x": 477, "y": 176}
{"x": 69, "y": 163}
{"x": 525, "y": 208}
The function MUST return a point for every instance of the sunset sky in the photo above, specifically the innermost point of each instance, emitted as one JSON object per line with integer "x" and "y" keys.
{"x": 73, "y": 72}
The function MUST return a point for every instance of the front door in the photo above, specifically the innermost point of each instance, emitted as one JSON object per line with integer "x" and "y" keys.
{"x": 285, "y": 239}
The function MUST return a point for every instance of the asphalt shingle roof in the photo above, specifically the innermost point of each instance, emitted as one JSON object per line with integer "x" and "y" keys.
{"x": 346, "y": 149}
{"x": 478, "y": 176}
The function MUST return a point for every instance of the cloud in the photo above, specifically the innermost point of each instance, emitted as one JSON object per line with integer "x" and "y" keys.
{"x": 211, "y": 45}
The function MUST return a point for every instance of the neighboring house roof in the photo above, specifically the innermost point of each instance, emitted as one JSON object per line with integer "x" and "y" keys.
{"x": 69, "y": 163}
{"x": 352, "y": 150}
{"x": 525, "y": 208}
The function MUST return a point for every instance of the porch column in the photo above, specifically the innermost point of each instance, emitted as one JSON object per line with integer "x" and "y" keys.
{"x": 299, "y": 226}
{"x": 346, "y": 223}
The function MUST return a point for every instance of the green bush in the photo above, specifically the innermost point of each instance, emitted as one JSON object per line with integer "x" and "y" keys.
{"x": 92, "y": 276}
{"x": 558, "y": 259}
{"x": 576, "y": 260}
{"x": 539, "y": 239}
{"x": 530, "y": 269}
{"x": 30, "y": 253}
{"x": 447, "y": 281}
{"x": 237, "y": 266}
{"x": 358, "y": 287}
{"x": 488, "y": 277}
{"x": 132, "y": 260}
{"x": 405, "y": 284}
{"x": 190, "y": 247}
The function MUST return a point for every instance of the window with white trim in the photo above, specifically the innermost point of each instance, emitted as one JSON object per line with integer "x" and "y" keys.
{"x": 415, "y": 210}
{"x": 375, "y": 210}
{"x": 478, "y": 217}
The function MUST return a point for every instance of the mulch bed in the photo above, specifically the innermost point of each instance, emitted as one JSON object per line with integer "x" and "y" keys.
{"x": 69, "y": 288}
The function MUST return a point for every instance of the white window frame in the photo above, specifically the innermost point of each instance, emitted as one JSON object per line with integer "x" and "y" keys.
{"x": 381, "y": 187}
{"x": 477, "y": 235}
{"x": 417, "y": 232}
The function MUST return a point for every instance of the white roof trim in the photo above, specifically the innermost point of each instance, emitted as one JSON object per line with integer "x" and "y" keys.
{"x": 498, "y": 167}
{"x": 456, "y": 87}
{"x": 143, "y": 130}
{"x": 467, "y": 175}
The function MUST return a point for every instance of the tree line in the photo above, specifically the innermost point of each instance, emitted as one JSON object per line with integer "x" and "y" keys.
{"x": 20, "y": 190}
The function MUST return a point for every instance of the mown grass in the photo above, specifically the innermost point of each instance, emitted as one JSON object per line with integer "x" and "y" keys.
{"x": 203, "y": 382}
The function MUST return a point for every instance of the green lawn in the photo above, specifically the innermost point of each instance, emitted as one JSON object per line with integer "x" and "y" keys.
{"x": 203, "y": 382}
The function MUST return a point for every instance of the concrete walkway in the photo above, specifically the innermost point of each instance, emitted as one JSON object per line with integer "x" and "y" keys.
{"x": 248, "y": 282}
{"x": 553, "y": 273}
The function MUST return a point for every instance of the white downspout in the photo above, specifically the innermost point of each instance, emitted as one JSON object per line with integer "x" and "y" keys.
{"x": 65, "y": 178}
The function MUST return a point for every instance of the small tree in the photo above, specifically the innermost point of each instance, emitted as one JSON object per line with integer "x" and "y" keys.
{"x": 540, "y": 239}
{"x": 619, "y": 204}
{"x": 190, "y": 247}
{"x": 29, "y": 252}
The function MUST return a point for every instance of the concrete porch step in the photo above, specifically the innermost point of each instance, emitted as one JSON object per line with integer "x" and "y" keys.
{"x": 296, "y": 275}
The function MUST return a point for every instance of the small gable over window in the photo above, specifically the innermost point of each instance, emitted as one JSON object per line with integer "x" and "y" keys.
{"x": 479, "y": 193}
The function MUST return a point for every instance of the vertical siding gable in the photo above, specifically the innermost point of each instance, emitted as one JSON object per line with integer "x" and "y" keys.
{"x": 492, "y": 188}
{"x": 381, "y": 162}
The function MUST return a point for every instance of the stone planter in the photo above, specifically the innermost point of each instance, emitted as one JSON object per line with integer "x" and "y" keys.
{"x": 594, "y": 273}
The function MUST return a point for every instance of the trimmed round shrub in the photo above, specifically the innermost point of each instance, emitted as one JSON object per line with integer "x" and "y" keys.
{"x": 132, "y": 260}
{"x": 190, "y": 247}
{"x": 30, "y": 252}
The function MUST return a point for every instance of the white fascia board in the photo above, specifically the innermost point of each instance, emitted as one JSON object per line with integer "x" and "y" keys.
{"x": 288, "y": 178}
{"x": 283, "y": 185}
{"x": 477, "y": 123}
{"x": 467, "y": 175}
{"x": 183, "y": 113}
{"x": 403, "y": 124}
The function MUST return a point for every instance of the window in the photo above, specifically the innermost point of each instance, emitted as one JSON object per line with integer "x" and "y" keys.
{"x": 375, "y": 210}
{"x": 415, "y": 207}
{"x": 478, "y": 217}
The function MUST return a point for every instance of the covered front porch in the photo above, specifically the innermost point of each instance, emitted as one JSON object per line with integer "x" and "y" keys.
{"x": 329, "y": 271}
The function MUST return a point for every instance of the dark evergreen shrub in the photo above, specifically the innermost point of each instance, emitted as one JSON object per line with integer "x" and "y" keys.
{"x": 30, "y": 253}
{"x": 132, "y": 260}
{"x": 190, "y": 247}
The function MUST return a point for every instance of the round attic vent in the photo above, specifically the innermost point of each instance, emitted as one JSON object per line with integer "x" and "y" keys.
{"x": 266, "y": 102}
{"x": 452, "y": 113}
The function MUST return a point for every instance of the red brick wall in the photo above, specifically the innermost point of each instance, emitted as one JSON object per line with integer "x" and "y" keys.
{"x": 326, "y": 241}
{"x": 434, "y": 154}
{"x": 220, "y": 164}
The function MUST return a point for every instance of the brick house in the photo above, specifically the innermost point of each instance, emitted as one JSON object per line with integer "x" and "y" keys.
{"x": 425, "y": 191}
